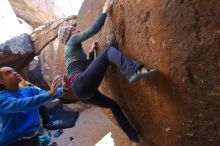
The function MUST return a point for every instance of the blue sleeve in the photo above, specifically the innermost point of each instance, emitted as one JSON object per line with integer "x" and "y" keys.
{"x": 9, "y": 104}
{"x": 92, "y": 30}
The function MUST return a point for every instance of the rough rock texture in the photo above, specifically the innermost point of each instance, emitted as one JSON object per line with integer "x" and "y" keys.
{"x": 44, "y": 38}
{"x": 45, "y": 34}
{"x": 56, "y": 8}
{"x": 17, "y": 52}
{"x": 27, "y": 11}
{"x": 40, "y": 14}
{"x": 182, "y": 40}
{"x": 52, "y": 58}
{"x": 51, "y": 53}
{"x": 35, "y": 75}
{"x": 46, "y": 6}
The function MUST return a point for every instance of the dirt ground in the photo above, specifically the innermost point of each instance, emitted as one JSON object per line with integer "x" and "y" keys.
{"x": 93, "y": 128}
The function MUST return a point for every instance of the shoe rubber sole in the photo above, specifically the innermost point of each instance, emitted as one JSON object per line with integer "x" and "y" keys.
{"x": 150, "y": 74}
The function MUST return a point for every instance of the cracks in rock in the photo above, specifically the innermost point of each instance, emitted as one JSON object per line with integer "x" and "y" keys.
{"x": 197, "y": 25}
{"x": 181, "y": 1}
{"x": 169, "y": 3}
{"x": 122, "y": 26}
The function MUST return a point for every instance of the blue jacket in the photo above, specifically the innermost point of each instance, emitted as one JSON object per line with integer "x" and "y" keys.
{"x": 19, "y": 115}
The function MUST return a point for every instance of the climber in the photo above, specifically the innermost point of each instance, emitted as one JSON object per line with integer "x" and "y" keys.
{"x": 85, "y": 75}
{"x": 19, "y": 115}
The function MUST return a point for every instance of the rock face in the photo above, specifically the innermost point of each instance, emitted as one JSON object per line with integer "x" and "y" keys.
{"x": 40, "y": 14}
{"x": 17, "y": 52}
{"x": 179, "y": 38}
{"x": 34, "y": 74}
{"x": 50, "y": 52}
{"x": 45, "y": 34}
{"x": 27, "y": 11}
{"x": 57, "y": 8}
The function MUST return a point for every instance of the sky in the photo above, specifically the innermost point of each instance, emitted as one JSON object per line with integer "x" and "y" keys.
{"x": 10, "y": 27}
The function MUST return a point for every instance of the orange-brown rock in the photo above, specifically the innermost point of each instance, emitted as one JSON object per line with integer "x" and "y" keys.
{"x": 45, "y": 34}
{"x": 19, "y": 51}
{"x": 51, "y": 52}
{"x": 179, "y": 38}
{"x": 30, "y": 13}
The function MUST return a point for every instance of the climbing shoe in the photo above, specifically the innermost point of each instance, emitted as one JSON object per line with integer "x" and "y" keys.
{"x": 133, "y": 135}
{"x": 135, "y": 139}
{"x": 143, "y": 73}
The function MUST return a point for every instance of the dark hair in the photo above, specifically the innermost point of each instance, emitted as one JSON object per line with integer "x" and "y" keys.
{"x": 2, "y": 87}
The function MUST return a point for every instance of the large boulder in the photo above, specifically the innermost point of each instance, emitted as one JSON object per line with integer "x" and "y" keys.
{"x": 30, "y": 13}
{"x": 17, "y": 52}
{"x": 51, "y": 53}
{"x": 41, "y": 14}
{"x": 179, "y": 38}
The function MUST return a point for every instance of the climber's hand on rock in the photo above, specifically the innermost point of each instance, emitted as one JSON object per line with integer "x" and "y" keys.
{"x": 64, "y": 82}
{"x": 107, "y": 6}
{"x": 56, "y": 84}
{"x": 94, "y": 47}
